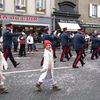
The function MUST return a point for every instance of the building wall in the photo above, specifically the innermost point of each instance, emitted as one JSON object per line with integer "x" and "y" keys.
{"x": 84, "y": 11}
{"x": 10, "y": 9}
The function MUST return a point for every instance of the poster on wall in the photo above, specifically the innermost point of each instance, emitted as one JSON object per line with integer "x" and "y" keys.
{"x": 40, "y": 6}
{"x": 1, "y": 4}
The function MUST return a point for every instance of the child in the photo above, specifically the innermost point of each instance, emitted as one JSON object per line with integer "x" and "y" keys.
{"x": 3, "y": 65}
{"x": 47, "y": 67}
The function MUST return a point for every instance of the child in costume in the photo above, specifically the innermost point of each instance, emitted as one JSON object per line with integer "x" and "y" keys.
{"x": 3, "y": 66}
{"x": 47, "y": 67}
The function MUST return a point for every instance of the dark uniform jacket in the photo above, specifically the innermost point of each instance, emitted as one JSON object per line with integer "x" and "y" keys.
{"x": 7, "y": 38}
{"x": 65, "y": 40}
{"x": 78, "y": 41}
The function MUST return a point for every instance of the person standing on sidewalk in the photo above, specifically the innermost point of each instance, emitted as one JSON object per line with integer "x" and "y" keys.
{"x": 22, "y": 42}
{"x": 7, "y": 43}
{"x": 47, "y": 67}
{"x": 78, "y": 44}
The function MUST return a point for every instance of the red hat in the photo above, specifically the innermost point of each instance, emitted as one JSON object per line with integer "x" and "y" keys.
{"x": 46, "y": 42}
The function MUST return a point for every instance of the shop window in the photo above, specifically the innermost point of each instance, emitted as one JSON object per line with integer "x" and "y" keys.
{"x": 40, "y": 6}
{"x": 1, "y": 4}
{"x": 20, "y": 5}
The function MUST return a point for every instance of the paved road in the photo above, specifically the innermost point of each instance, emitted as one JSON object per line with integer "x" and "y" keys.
{"x": 77, "y": 84}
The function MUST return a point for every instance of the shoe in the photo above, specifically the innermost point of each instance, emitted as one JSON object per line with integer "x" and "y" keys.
{"x": 75, "y": 66}
{"x": 56, "y": 88}
{"x": 92, "y": 58}
{"x": 16, "y": 65}
{"x": 83, "y": 64}
{"x": 39, "y": 87}
{"x": 62, "y": 61}
{"x": 3, "y": 90}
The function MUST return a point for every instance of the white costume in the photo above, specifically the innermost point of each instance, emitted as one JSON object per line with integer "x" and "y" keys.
{"x": 3, "y": 65}
{"x": 47, "y": 67}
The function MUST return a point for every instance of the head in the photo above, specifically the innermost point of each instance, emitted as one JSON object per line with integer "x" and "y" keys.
{"x": 47, "y": 44}
{"x": 81, "y": 31}
{"x": 65, "y": 29}
{"x": 9, "y": 26}
{"x": 46, "y": 29}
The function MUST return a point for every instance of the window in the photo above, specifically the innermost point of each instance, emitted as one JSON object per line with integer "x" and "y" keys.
{"x": 93, "y": 10}
{"x": 40, "y": 6}
{"x": 20, "y": 5}
{"x": 98, "y": 11}
{"x": 1, "y": 4}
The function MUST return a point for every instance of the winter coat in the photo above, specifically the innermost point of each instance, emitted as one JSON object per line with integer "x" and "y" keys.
{"x": 48, "y": 60}
{"x": 30, "y": 40}
{"x": 47, "y": 67}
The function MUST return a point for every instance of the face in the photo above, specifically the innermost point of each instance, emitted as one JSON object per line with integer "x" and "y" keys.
{"x": 48, "y": 46}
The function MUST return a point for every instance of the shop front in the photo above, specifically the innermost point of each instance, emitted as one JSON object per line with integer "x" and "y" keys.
{"x": 91, "y": 28}
{"x": 28, "y": 24}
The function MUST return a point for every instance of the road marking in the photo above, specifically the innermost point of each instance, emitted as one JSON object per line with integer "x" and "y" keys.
{"x": 35, "y": 70}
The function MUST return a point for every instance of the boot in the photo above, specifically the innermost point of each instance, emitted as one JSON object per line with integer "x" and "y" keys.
{"x": 56, "y": 88}
{"x": 39, "y": 87}
{"x": 3, "y": 90}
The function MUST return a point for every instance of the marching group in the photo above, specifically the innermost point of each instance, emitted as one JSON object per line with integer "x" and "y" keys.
{"x": 67, "y": 40}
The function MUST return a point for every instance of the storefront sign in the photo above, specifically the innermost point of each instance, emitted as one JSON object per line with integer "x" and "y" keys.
{"x": 18, "y": 18}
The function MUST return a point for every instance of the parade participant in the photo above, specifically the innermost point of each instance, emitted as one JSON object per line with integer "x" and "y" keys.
{"x": 7, "y": 43}
{"x": 78, "y": 44}
{"x": 3, "y": 65}
{"x": 54, "y": 43}
{"x": 95, "y": 46}
{"x": 47, "y": 67}
{"x": 45, "y": 35}
{"x": 65, "y": 44}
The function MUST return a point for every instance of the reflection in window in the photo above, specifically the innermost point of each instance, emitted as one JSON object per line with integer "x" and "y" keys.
{"x": 40, "y": 6}
{"x": 1, "y": 4}
{"x": 20, "y": 5}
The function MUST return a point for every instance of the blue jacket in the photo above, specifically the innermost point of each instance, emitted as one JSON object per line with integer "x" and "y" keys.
{"x": 95, "y": 42}
{"x": 7, "y": 38}
{"x": 78, "y": 41}
{"x": 46, "y": 36}
{"x": 65, "y": 40}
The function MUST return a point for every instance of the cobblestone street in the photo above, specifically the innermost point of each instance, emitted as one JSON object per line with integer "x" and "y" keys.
{"x": 76, "y": 84}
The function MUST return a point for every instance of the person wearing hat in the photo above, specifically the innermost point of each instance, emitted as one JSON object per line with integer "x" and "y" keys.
{"x": 7, "y": 43}
{"x": 95, "y": 46}
{"x": 65, "y": 41}
{"x": 47, "y": 67}
{"x": 78, "y": 45}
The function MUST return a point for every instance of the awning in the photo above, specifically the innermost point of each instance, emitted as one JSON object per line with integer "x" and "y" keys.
{"x": 69, "y": 26}
{"x": 29, "y": 24}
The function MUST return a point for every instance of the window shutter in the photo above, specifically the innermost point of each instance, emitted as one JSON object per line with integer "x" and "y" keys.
{"x": 98, "y": 11}
{"x": 90, "y": 9}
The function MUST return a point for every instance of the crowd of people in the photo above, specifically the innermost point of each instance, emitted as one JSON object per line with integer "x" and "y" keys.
{"x": 78, "y": 41}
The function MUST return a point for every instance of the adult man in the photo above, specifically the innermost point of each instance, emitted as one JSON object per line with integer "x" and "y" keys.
{"x": 65, "y": 40}
{"x": 7, "y": 43}
{"x": 78, "y": 44}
